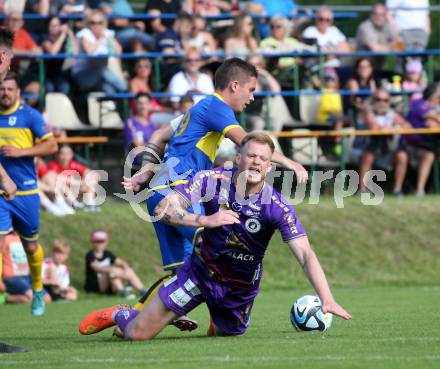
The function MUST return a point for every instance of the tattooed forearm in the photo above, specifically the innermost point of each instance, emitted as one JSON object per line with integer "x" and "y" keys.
{"x": 172, "y": 210}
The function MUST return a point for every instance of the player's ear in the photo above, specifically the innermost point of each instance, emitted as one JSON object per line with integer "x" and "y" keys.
{"x": 234, "y": 85}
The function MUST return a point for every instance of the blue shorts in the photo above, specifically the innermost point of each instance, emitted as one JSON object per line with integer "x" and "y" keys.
{"x": 229, "y": 308}
{"x": 21, "y": 214}
{"x": 176, "y": 243}
{"x": 18, "y": 285}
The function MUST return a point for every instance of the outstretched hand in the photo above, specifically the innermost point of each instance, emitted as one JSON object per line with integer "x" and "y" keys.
{"x": 301, "y": 173}
{"x": 336, "y": 309}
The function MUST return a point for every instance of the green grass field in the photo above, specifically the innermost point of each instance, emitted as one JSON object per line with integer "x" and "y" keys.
{"x": 392, "y": 327}
{"x": 383, "y": 263}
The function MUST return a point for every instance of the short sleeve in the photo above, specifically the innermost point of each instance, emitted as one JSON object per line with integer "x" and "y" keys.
{"x": 90, "y": 258}
{"x": 424, "y": 109}
{"x": 175, "y": 122}
{"x": 222, "y": 120}
{"x": 53, "y": 165}
{"x": 337, "y": 36}
{"x": 39, "y": 128}
{"x": 202, "y": 186}
{"x": 309, "y": 32}
{"x": 287, "y": 222}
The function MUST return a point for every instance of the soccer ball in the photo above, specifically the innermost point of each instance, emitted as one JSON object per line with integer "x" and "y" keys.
{"x": 306, "y": 315}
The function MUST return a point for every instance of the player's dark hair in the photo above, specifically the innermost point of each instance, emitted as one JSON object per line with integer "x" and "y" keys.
{"x": 234, "y": 69}
{"x": 11, "y": 76}
{"x": 259, "y": 137}
{"x": 431, "y": 90}
{"x": 6, "y": 38}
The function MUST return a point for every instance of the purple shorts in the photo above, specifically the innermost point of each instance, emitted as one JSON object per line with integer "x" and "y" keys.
{"x": 230, "y": 308}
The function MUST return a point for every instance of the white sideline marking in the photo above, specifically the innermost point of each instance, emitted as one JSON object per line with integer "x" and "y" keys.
{"x": 228, "y": 358}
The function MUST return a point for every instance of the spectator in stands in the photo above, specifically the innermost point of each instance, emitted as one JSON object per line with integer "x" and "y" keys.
{"x": 278, "y": 113}
{"x": 95, "y": 74}
{"x": 330, "y": 104}
{"x": 271, "y": 8}
{"x": 328, "y": 37}
{"x": 199, "y": 38}
{"x": 411, "y": 19}
{"x": 16, "y": 278}
{"x": 7, "y": 6}
{"x": 331, "y": 112}
{"x": 377, "y": 34}
{"x": 107, "y": 273}
{"x": 170, "y": 40}
{"x": 156, "y": 8}
{"x": 423, "y": 113}
{"x": 139, "y": 128}
{"x": 281, "y": 42}
{"x": 56, "y": 275}
{"x": 190, "y": 80}
{"x": 37, "y": 27}
{"x": 131, "y": 34}
{"x": 241, "y": 42}
{"x": 23, "y": 44}
{"x": 141, "y": 82}
{"x": 69, "y": 7}
{"x": 380, "y": 116}
{"x": 186, "y": 102}
{"x": 362, "y": 79}
{"x": 75, "y": 177}
{"x": 59, "y": 39}
{"x": 414, "y": 79}
{"x": 208, "y": 7}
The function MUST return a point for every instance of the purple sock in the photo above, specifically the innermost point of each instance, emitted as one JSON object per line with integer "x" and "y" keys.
{"x": 123, "y": 317}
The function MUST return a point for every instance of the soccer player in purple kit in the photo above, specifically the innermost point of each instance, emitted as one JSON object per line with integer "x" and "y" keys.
{"x": 225, "y": 269}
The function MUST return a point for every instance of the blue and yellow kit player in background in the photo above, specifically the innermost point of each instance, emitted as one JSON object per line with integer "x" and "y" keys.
{"x": 20, "y": 126}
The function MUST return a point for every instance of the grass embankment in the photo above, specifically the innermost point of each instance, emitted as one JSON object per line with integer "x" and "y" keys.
{"x": 395, "y": 243}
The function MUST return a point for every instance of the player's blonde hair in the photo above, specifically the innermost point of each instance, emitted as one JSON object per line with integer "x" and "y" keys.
{"x": 259, "y": 137}
{"x": 61, "y": 246}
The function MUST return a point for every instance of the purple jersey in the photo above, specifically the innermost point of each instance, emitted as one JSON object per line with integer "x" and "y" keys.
{"x": 234, "y": 253}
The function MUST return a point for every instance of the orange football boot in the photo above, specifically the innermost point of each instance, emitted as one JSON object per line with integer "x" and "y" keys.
{"x": 99, "y": 320}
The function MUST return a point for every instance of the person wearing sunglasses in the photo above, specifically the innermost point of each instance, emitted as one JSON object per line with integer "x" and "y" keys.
{"x": 380, "y": 116}
{"x": 280, "y": 41}
{"x": 94, "y": 74}
{"x": 328, "y": 37}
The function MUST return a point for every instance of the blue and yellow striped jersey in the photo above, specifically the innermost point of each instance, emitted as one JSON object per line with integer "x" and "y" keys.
{"x": 194, "y": 144}
{"x": 19, "y": 127}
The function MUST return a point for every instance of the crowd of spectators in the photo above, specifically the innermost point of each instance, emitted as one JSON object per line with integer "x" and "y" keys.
{"x": 195, "y": 45}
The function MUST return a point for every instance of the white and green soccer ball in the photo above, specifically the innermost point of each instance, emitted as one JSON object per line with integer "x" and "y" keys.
{"x": 306, "y": 315}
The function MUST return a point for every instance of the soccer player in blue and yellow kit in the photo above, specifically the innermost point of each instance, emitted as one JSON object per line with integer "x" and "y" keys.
{"x": 20, "y": 126}
{"x": 193, "y": 147}
{"x": 7, "y": 185}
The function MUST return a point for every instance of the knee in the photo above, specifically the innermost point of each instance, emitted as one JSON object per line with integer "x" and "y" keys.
{"x": 402, "y": 158}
